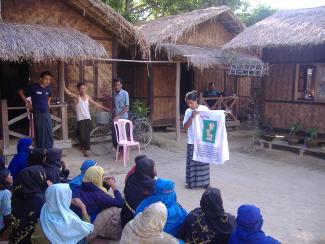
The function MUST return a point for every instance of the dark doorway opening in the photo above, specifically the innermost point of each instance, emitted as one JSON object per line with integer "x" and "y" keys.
{"x": 14, "y": 76}
{"x": 187, "y": 80}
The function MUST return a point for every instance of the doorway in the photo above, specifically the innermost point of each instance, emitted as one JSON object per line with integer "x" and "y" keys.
{"x": 13, "y": 77}
{"x": 187, "y": 77}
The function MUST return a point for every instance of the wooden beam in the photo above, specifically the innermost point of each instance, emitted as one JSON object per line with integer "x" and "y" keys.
{"x": 61, "y": 81}
{"x": 5, "y": 126}
{"x": 178, "y": 86}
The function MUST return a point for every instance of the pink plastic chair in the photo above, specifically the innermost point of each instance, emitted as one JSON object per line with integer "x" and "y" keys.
{"x": 122, "y": 139}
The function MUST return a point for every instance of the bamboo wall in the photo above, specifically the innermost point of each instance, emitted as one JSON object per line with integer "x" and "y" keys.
{"x": 163, "y": 92}
{"x": 210, "y": 34}
{"x": 56, "y": 13}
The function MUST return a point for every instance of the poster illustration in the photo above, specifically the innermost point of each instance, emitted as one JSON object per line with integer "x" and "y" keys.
{"x": 209, "y": 131}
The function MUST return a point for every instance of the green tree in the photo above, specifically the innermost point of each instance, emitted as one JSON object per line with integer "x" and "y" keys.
{"x": 252, "y": 16}
{"x": 137, "y": 10}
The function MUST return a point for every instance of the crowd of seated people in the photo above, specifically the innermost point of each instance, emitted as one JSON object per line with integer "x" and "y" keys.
{"x": 41, "y": 205}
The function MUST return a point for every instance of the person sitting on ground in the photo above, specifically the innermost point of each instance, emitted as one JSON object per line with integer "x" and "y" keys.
{"x": 76, "y": 181}
{"x": 27, "y": 201}
{"x": 209, "y": 223}
{"x": 58, "y": 223}
{"x": 2, "y": 162}
{"x": 139, "y": 185}
{"x": 20, "y": 160}
{"x": 249, "y": 227}
{"x": 147, "y": 227}
{"x": 5, "y": 203}
{"x": 165, "y": 193}
{"x": 94, "y": 195}
{"x": 55, "y": 168}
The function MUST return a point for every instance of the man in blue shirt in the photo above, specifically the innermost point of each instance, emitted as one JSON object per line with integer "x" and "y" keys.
{"x": 121, "y": 105}
{"x": 212, "y": 92}
{"x": 40, "y": 94}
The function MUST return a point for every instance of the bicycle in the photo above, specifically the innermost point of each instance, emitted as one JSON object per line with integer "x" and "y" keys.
{"x": 101, "y": 136}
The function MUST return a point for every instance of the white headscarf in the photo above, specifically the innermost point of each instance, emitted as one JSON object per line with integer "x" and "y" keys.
{"x": 147, "y": 227}
{"x": 59, "y": 223}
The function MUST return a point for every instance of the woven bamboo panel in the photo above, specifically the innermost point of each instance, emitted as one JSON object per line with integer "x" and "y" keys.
{"x": 164, "y": 108}
{"x": 282, "y": 115}
{"x": 89, "y": 73}
{"x": 164, "y": 80}
{"x": 202, "y": 79}
{"x": 279, "y": 84}
{"x": 49, "y": 12}
{"x": 211, "y": 34}
{"x": 104, "y": 80}
{"x": 72, "y": 72}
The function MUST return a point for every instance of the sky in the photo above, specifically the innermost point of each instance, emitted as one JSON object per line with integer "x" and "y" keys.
{"x": 289, "y": 4}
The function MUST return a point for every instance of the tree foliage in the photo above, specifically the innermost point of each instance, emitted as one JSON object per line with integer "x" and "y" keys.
{"x": 139, "y": 10}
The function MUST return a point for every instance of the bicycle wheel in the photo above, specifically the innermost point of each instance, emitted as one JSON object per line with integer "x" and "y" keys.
{"x": 142, "y": 132}
{"x": 101, "y": 141}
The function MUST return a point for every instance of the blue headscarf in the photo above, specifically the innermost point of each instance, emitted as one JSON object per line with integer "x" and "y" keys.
{"x": 165, "y": 193}
{"x": 20, "y": 160}
{"x": 59, "y": 223}
{"x": 76, "y": 181}
{"x": 249, "y": 227}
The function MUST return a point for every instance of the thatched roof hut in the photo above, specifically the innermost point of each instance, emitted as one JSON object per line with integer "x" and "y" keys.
{"x": 205, "y": 57}
{"x": 43, "y": 43}
{"x": 110, "y": 20}
{"x": 286, "y": 28}
{"x": 171, "y": 28}
{"x": 167, "y": 34}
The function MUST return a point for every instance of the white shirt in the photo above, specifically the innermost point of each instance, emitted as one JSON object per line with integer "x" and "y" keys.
{"x": 190, "y": 130}
{"x": 82, "y": 109}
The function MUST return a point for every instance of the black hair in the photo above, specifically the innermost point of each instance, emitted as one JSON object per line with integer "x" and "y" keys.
{"x": 45, "y": 73}
{"x": 118, "y": 79}
{"x": 80, "y": 84}
{"x": 193, "y": 96}
{"x": 211, "y": 83}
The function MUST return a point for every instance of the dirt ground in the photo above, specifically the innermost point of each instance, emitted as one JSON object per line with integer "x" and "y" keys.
{"x": 288, "y": 189}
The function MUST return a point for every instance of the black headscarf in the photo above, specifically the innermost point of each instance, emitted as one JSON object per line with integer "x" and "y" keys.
{"x": 139, "y": 185}
{"x": 27, "y": 201}
{"x": 36, "y": 156}
{"x": 52, "y": 165}
{"x": 217, "y": 224}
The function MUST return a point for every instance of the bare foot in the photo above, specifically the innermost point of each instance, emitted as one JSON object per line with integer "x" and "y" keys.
{"x": 85, "y": 153}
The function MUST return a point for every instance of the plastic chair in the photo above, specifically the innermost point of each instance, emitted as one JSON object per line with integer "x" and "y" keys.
{"x": 122, "y": 139}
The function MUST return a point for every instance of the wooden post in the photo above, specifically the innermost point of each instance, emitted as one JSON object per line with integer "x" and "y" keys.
{"x": 64, "y": 114}
{"x": 5, "y": 126}
{"x": 178, "y": 86}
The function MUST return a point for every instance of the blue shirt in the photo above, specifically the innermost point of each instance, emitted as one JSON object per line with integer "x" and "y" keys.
{"x": 5, "y": 206}
{"x": 40, "y": 96}
{"x": 121, "y": 100}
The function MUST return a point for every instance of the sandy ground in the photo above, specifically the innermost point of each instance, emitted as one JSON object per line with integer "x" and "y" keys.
{"x": 288, "y": 189}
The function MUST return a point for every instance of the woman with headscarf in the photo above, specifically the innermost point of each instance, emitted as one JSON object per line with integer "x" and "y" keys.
{"x": 209, "y": 223}
{"x": 249, "y": 227}
{"x": 27, "y": 201}
{"x": 147, "y": 227}
{"x": 52, "y": 165}
{"x": 58, "y": 224}
{"x": 5, "y": 203}
{"x": 165, "y": 193}
{"x": 94, "y": 195}
{"x": 20, "y": 160}
{"x": 76, "y": 181}
{"x": 138, "y": 186}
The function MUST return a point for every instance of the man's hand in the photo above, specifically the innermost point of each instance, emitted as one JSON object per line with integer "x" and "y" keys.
{"x": 116, "y": 118}
{"x": 29, "y": 105}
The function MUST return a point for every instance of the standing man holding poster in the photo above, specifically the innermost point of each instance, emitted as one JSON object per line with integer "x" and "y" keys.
{"x": 197, "y": 173}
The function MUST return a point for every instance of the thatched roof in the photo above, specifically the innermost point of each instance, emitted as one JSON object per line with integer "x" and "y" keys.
{"x": 171, "y": 28}
{"x": 286, "y": 28}
{"x": 46, "y": 44}
{"x": 204, "y": 57}
{"x": 109, "y": 20}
